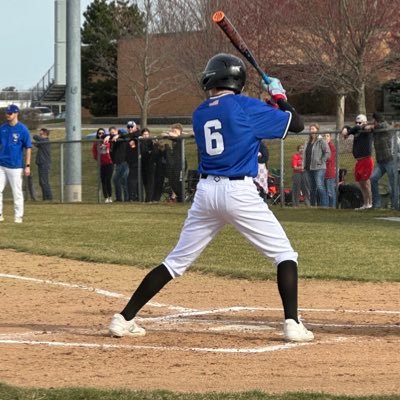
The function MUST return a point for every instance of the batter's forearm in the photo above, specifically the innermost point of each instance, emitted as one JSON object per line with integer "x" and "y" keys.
{"x": 297, "y": 123}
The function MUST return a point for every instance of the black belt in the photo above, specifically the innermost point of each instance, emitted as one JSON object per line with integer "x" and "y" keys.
{"x": 231, "y": 178}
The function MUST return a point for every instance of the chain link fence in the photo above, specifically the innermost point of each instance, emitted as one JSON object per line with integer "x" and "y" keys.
{"x": 174, "y": 170}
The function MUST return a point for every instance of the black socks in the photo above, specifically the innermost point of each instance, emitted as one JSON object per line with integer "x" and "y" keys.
{"x": 287, "y": 286}
{"x": 157, "y": 278}
{"x": 151, "y": 284}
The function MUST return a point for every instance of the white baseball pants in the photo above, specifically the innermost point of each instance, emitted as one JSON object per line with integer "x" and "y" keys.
{"x": 219, "y": 201}
{"x": 14, "y": 177}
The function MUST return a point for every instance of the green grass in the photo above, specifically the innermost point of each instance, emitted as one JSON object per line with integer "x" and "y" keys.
{"x": 13, "y": 393}
{"x": 332, "y": 244}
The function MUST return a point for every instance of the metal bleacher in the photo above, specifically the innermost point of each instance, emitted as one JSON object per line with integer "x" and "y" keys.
{"x": 47, "y": 92}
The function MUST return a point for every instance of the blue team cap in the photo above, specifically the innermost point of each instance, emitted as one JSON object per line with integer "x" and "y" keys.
{"x": 12, "y": 108}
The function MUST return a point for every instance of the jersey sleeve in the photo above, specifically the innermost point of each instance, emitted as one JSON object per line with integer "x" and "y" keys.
{"x": 268, "y": 122}
{"x": 27, "y": 138}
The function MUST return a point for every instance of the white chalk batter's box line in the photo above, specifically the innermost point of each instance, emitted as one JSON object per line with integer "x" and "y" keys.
{"x": 178, "y": 318}
{"x": 184, "y": 310}
{"x": 105, "y": 346}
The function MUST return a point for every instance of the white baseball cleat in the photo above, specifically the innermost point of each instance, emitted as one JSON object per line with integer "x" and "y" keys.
{"x": 120, "y": 327}
{"x": 296, "y": 332}
{"x": 18, "y": 220}
{"x": 1, "y": 218}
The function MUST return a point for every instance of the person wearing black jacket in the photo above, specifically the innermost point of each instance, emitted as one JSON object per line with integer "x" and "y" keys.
{"x": 173, "y": 154}
{"x": 384, "y": 144}
{"x": 148, "y": 164}
{"x": 362, "y": 150}
{"x": 132, "y": 158}
{"x": 119, "y": 145}
{"x": 43, "y": 161}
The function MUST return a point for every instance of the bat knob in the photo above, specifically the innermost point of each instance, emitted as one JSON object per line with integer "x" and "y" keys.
{"x": 218, "y": 16}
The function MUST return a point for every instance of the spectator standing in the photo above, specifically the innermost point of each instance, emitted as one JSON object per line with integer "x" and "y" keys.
{"x": 132, "y": 158}
{"x": 384, "y": 144}
{"x": 43, "y": 161}
{"x": 160, "y": 168}
{"x": 119, "y": 147}
{"x": 173, "y": 153}
{"x": 330, "y": 175}
{"x": 14, "y": 141}
{"x": 101, "y": 147}
{"x": 148, "y": 164}
{"x": 300, "y": 183}
{"x": 362, "y": 150}
{"x": 316, "y": 152}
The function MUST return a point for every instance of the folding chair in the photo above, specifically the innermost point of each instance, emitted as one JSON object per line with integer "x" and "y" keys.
{"x": 274, "y": 186}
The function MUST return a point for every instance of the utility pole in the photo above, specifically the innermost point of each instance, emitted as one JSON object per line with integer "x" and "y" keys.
{"x": 73, "y": 157}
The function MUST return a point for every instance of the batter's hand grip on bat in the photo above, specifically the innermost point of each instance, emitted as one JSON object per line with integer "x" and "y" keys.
{"x": 227, "y": 27}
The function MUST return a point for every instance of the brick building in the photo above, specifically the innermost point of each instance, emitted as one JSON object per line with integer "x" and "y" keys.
{"x": 165, "y": 74}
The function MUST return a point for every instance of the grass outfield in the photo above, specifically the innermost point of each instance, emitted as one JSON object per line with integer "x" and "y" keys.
{"x": 12, "y": 393}
{"x": 332, "y": 244}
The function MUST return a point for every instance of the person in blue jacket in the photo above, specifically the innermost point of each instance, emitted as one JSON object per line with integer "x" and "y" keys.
{"x": 15, "y": 143}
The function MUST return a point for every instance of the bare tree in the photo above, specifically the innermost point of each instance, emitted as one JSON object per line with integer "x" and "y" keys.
{"x": 204, "y": 39}
{"x": 342, "y": 45}
{"x": 147, "y": 63}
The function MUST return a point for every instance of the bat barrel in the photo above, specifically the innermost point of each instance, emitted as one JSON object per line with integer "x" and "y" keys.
{"x": 218, "y": 16}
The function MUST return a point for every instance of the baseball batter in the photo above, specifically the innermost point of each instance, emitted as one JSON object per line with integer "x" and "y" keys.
{"x": 14, "y": 138}
{"x": 228, "y": 129}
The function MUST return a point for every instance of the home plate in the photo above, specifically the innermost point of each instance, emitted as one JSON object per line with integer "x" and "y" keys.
{"x": 395, "y": 219}
{"x": 241, "y": 328}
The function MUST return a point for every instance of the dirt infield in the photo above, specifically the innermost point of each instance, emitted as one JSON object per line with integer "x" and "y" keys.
{"x": 203, "y": 333}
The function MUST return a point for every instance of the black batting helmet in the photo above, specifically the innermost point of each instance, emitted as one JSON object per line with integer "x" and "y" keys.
{"x": 224, "y": 71}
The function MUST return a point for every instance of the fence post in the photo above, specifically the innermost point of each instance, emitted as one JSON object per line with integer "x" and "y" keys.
{"x": 281, "y": 177}
{"x": 140, "y": 180}
{"x": 62, "y": 173}
{"x": 396, "y": 151}
{"x": 337, "y": 161}
{"x": 183, "y": 172}
{"x": 98, "y": 171}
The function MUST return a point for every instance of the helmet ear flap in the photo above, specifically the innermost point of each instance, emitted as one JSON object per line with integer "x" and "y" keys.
{"x": 224, "y": 71}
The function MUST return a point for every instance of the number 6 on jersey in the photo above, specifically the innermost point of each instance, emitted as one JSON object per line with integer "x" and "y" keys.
{"x": 214, "y": 140}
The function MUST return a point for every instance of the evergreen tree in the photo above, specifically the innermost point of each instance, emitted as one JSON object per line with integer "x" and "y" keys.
{"x": 105, "y": 22}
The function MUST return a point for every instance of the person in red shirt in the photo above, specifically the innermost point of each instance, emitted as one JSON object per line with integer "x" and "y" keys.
{"x": 330, "y": 175}
{"x": 102, "y": 147}
{"x": 300, "y": 183}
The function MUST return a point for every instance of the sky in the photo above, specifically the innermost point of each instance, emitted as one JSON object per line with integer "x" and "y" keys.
{"x": 27, "y": 41}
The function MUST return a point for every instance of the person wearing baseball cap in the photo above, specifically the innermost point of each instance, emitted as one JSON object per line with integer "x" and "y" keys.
{"x": 133, "y": 130}
{"x": 362, "y": 152}
{"x": 14, "y": 142}
{"x": 12, "y": 109}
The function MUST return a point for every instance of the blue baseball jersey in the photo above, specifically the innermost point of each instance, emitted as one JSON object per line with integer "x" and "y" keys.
{"x": 13, "y": 140}
{"x": 228, "y": 130}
